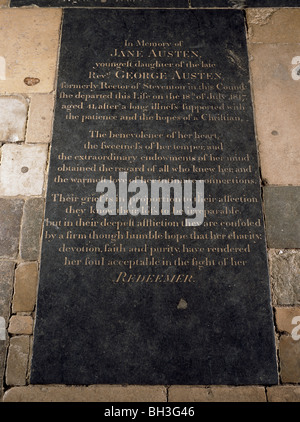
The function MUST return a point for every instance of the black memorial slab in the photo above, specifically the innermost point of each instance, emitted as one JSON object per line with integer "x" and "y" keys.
{"x": 104, "y": 3}
{"x": 148, "y": 299}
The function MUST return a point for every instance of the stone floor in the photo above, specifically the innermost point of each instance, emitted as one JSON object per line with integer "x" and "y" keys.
{"x": 29, "y": 40}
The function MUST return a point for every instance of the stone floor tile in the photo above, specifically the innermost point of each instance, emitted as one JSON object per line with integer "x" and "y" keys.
{"x": 273, "y": 26}
{"x": 276, "y": 106}
{"x": 285, "y": 276}
{"x": 31, "y": 229}
{"x": 283, "y": 393}
{"x": 29, "y": 40}
{"x": 22, "y": 169}
{"x": 289, "y": 355}
{"x": 178, "y": 393}
{"x": 39, "y": 126}
{"x": 13, "y": 117}
{"x": 282, "y": 214}
{"x": 93, "y": 393}
{"x": 6, "y": 287}
{"x": 20, "y": 324}
{"x": 11, "y": 211}
{"x": 288, "y": 319}
{"x": 17, "y": 360}
{"x": 25, "y": 291}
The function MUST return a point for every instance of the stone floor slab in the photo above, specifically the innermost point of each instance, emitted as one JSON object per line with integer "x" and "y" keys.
{"x": 216, "y": 394}
{"x": 17, "y": 360}
{"x": 26, "y": 280}
{"x": 282, "y": 213}
{"x": 20, "y": 324}
{"x": 287, "y": 319}
{"x": 93, "y": 393}
{"x": 6, "y": 287}
{"x": 289, "y": 353}
{"x": 39, "y": 126}
{"x": 13, "y": 117}
{"x": 285, "y": 276}
{"x": 29, "y": 40}
{"x": 31, "y": 229}
{"x": 10, "y": 220}
{"x": 187, "y": 362}
{"x": 277, "y": 103}
{"x": 283, "y": 393}
{"x": 22, "y": 169}
{"x": 275, "y": 26}
{"x": 241, "y": 4}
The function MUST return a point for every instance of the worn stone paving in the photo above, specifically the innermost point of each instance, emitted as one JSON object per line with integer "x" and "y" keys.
{"x": 29, "y": 40}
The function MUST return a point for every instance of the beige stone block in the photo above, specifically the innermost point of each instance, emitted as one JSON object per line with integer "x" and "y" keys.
{"x": 273, "y": 25}
{"x": 285, "y": 276}
{"x": 39, "y": 126}
{"x": 216, "y": 394}
{"x": 20, "y": 324}
{"x": 288, "y": 319}
{"x": 22, "y": 169}
{"x": 93, "y": 393}
{"x": 17, "y": 360}
{"x": 287, "y": 393}
{"x": 4, "y": 3}
{"x": 289, "y": 353}
{"x": 26, "y": 280}
{"x": 13, "y": 117}
{"x": 29, "y": 40}
{"x": 276, "y": 105}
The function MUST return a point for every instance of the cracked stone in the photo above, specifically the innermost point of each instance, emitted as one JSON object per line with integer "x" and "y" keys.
{"x": 259, "y": 16}
{"x": 281, "y": 26}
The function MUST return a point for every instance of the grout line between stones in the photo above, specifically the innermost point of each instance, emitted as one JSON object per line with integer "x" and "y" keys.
{"x": 167, "y": 392}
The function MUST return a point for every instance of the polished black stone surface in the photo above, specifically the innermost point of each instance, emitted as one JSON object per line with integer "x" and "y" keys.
{"x": 127, "y": 299}
{"x": 103, "y": 3}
